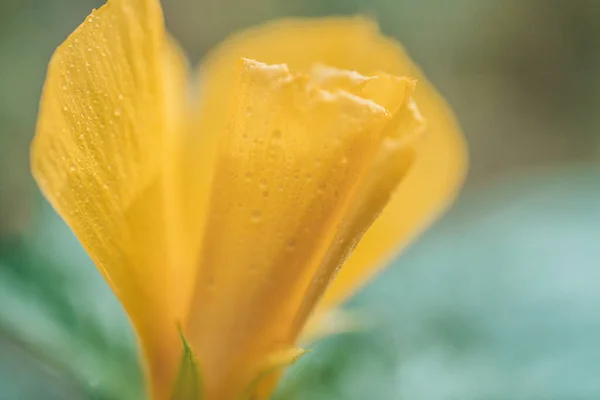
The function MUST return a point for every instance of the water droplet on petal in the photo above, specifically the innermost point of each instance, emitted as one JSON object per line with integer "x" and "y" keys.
{"x": 263, "y": 183}
{"x": 256, "y": 216}
{"x": 290, "y": 245}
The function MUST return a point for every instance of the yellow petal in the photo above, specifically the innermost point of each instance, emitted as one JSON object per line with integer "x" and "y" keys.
{"x": 109, "y": 103}
{"x": 389, "y": 166}
{"x": 355, "y": 44}
{"x": 288, "y": 168}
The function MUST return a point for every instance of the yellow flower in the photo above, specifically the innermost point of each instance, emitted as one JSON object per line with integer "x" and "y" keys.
{"x": 240, "y": 208}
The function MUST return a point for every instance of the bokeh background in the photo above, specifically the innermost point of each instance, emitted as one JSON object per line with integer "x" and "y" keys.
{"x": 500, "y": 300}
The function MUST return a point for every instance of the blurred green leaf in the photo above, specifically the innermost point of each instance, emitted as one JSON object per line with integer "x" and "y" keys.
{"x": 64, "y": 313}
{"x": 25, "y": 375}
{"x": 188, "y": 385}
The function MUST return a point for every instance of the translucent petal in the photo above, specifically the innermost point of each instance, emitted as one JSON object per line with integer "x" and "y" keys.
{"x": 109, "y": 109}
{"x": 287, "y": 171}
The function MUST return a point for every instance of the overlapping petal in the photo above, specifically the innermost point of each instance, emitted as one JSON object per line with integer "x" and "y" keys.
{"x": 301, "y": 172}
{"x": 355, "y": 44}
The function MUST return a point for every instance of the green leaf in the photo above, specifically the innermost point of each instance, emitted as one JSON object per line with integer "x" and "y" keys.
{"x": 188, "y": 385}
{"x": 274, "y": 364}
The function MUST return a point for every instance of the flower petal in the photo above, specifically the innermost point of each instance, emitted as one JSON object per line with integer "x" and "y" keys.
{"x": 107, "y": 112}
{"x": 355, "y": 44}
{"x": 287, "y": 169}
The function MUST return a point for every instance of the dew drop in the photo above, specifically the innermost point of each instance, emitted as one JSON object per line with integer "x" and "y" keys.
{"x": 210, "y": 286}
{"x": 255, "y": 216}
{"x": 290, "y": 245}
{"x": 121, "y": 97}
{"x": 118, "y": 112}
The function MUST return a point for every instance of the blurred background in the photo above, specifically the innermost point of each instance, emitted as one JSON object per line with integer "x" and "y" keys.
{"x": 500, "y": 300}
